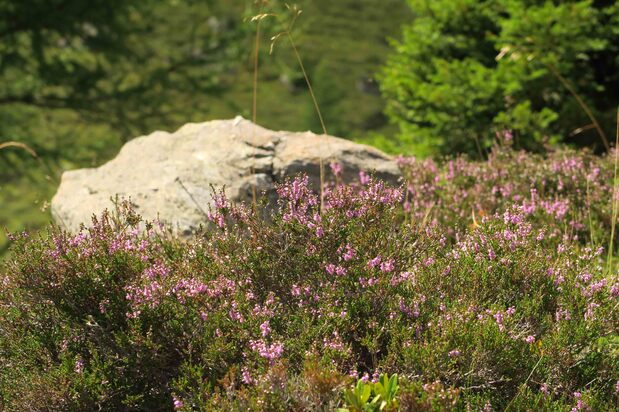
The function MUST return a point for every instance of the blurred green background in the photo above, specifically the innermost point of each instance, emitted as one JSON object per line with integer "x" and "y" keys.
{"x": 425, "y": 77}
{"x": 81, "y": 78}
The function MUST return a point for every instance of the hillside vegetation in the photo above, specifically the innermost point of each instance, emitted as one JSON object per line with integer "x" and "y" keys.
{"x": 486, "y": 279}
{"x": 481, "y": 285}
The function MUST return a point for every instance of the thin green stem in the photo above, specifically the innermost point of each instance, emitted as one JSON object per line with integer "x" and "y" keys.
{"x": 256, "y": 62}
{"x": 309, "y": 85}
{"x": 317, "y": 108}
{"x": 254, "y": 111}
{"x": 582, "y": 104}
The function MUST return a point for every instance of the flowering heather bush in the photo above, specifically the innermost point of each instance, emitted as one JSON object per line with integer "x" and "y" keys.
{"x": 509, "y": 311}
{"x": 567, "y": 192}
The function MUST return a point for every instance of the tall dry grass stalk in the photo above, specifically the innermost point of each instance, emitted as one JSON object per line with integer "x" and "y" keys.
{"x": 296, "y": 12}
{"x": 254, "y": 109}
{"x": 615, "y": 200}
{"x": 31, "y": 152}
{"x": 581, "y": 103}
{"x": 516, "y": 52}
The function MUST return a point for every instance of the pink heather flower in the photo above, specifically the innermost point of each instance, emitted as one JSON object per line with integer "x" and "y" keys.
{"x": 217, "y": 217}
{"x": 454, "y": 353}
{"x": 330, "y": 268}
{"x": 544, "y": 389}
{"x": 335, "y": 343}
{"x": 365, "y": 378}
{"x": 505, "y": 136}
{"x": 340, "y": 271}
{"x": 235, "y": 314}
{"x": 488, "y": 407}
{"x": 428, "y": 262}
{"x": 364, "y": 178}
{"x": 143, "y": 245}
{"x": 103, "y": 305}
{"x": 585, "y": 277}
{"x": 530, "y": 339}
{"x": 79, "y": 366}
{"x": 387, "y": 266}
{"x": 404, "y": 309}
{"x": 580, "y": 405}
{"x": 320, "y": 231}
{"x": 270, "y": 352}
{"x": 265, "y": 329}
{"x": 374, "y": 262}
{"x": 75, "y": 241}
{"x": 617, "y": 387}
{"x": 498, "y": 317}
{"x": 178, "y": 404}
{"x": 246, "y": 377}
{"x": 499, "y": 320}
{"x": 597, "y": 286}
{"x": 220, "y": 201}
{"x": 349, "y": 254}
{"x": 157, "y": 270}
{"x": 336, "y": 168}
{"x": 562, "y": 314}
{"x": 590, "y": 314}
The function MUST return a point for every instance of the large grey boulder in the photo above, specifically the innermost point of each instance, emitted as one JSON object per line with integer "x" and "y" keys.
{"x": 169, "y": 175}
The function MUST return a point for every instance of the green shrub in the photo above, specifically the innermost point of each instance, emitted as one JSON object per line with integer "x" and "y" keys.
{"x": 467, "y": 69}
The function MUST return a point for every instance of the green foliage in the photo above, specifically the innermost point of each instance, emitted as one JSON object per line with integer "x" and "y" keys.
{"x": 357, "y": 398}
{"x": 467, "y": 69}
{"x": 382, "y": 394}
{"x": 121, "y": 62}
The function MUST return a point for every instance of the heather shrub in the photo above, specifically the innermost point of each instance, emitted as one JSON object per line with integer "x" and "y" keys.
{"x": 566, "y": 192}
{"x": 509, "y": 310}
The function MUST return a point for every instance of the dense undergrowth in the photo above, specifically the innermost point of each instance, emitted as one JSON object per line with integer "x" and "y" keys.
{"x": 482, "y": 285}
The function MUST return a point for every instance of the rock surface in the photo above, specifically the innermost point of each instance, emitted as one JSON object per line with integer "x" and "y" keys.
{"x": 169, "y": 175}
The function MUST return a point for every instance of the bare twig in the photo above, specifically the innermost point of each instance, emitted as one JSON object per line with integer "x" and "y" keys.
{"x": 581, "y": 102}
{"x": 193, "y": 199}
